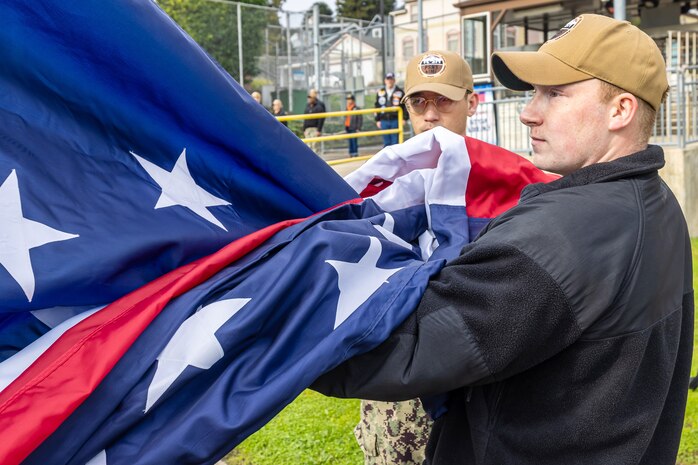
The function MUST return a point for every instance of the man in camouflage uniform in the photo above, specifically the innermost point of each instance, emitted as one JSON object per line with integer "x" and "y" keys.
{"x": 439, "y": 92}
{"x": 393, "y": 432}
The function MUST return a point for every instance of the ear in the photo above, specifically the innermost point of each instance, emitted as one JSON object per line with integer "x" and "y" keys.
{"x": 473, "y": 101}
{"x": 622, "y": 111}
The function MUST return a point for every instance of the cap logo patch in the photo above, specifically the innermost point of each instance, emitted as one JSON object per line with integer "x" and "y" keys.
{"x": 431, "y": 65}
{"x": 566, "y": 28}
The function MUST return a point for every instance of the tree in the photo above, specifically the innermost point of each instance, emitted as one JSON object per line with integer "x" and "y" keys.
{"x": 325, "y": 10}
{"x": 363, "y": 9}
{"x": 213, "y": 25}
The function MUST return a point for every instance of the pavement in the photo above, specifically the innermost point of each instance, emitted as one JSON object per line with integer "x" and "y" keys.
{"x": 346, "y": 168}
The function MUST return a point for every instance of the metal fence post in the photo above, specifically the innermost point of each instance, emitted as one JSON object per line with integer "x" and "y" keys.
{"x": 242, "y": 76}
{"x": 316, "y": 50}
{"x": 289, "y": 68}
{"x": 619, "y": 10}
{"x": 680, "y": 109}
{"x": 316, "y": 47}
{"x": 420, "y": 28}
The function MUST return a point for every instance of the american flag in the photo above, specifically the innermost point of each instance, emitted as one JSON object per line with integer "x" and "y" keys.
{"x": 159, "y": 300}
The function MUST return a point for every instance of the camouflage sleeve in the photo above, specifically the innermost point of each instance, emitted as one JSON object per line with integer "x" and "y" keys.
{"x": 393, "y": 432}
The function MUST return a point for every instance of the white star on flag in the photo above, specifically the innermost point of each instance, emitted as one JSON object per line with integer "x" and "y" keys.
{"x": 179, "y": 188}
{"x": 358, "y": 281}
{"x": 194, "y": 343}
{"x": 12, "y": 367}
{"x": 18, "y": 235}
{"x": 427, "y": 240}
{"x": 99, "y": 459}
{"x": 388, "y": 231}
{"x": 428, "y": 243}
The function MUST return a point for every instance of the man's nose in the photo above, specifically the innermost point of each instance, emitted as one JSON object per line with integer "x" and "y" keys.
{"x": 531, "y": 115}
{"x": 430, "y": 111}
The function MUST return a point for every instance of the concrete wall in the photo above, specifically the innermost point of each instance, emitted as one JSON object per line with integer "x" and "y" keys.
{"x": 681, "y": 174}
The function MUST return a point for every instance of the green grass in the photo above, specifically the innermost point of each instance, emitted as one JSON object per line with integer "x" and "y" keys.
{"x": 688, "y": 451}
{"x": 318, "y": 430}
{"x": 312, "y": 430}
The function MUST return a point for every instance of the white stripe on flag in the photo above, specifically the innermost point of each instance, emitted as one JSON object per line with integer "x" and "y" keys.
{"x": 416, "y": 167}
{"x": 14, "y": 366}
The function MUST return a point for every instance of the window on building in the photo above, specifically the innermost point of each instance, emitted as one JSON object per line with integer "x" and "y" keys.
{"x": 414, "y": 13}
{"x": 453, "y": 41}
{"x": 505, "y": 36}
{"x": 510, "y": 36}
{"x": 408, "y": 47}
{"x": 476, "y": 43}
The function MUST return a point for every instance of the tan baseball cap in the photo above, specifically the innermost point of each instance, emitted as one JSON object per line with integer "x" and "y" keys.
{"x": 439, "y": 71}
{"x": 590, "y": 46}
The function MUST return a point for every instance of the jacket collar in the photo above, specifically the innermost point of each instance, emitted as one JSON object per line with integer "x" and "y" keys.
{"x": 646, "y": 161}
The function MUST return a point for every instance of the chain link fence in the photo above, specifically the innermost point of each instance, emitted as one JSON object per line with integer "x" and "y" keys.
{"x": 497, "y": 117}
{"x": 283, "y": 54}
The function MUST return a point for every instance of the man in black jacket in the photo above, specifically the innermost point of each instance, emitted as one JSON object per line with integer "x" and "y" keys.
{"x": 563, "y": 334}
{"x": 313, "y": 127}
{"x": 389, "y": 96}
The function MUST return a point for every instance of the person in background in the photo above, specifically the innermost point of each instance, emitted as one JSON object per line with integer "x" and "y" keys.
{"x": 386, "y": 97}
{"x": 257, "y": 97}
{"x": 563, "y": 333}
{"x": 277, "y": 109}
{"x": 352, "y": 124}
{"x": 313, "y": 127}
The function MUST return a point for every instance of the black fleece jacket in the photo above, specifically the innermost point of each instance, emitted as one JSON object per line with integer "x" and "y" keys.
{"x": 563, "y": 334}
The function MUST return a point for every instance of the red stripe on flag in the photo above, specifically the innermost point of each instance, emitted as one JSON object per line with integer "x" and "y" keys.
{"x": 41, "y": 398}
{"x": 497, "y": 177}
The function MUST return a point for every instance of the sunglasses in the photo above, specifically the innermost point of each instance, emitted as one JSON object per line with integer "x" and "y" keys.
{"x": 418, "y": 105}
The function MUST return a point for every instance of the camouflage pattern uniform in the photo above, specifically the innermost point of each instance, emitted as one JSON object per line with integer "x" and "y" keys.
{"x": 393, "y": 432}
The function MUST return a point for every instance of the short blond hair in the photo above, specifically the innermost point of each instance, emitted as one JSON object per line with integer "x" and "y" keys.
{"x": 646, "y": 114}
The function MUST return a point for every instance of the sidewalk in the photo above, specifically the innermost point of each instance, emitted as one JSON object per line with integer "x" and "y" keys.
{"x": 346, "y": 168}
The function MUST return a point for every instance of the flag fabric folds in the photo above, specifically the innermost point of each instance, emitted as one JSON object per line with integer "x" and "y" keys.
{"x": 162, "y": 295}
{"x": 256, "y": 329}
{"x": 123, "y": 145}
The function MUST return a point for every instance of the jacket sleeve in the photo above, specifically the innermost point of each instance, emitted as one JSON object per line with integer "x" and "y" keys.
{"x": 321, "y": 121}
{"x": 306, "y": 121}
{"x": 488, "y": 315}
{"x": 405, "y": 115}
{"x": 377, "y": 105}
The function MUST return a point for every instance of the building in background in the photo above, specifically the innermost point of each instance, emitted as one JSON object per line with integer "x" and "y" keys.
{"x": 347, "y": 55}
{"x": 489, "y": 25}
{"x": 441, "y": 25}
{"x": 354, "y": 59}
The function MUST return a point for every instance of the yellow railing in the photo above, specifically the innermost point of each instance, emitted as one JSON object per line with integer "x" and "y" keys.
{"x": 341, "y": 161}
{"x": 399, "y": 131}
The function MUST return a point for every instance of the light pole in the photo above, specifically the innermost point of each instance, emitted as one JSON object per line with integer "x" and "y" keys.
{"x": 316, "y": 46}
{"x": 381, "y": 7}
{"x": 420, "y": 27}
